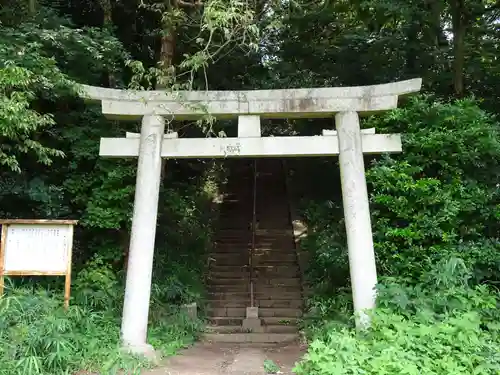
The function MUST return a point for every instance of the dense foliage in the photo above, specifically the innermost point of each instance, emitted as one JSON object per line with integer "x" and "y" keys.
{"x": 435, "y": 208}
{"x": 437, "y": 200}
{"x": 443, "y": 325}
{"x": 435, "y": 222}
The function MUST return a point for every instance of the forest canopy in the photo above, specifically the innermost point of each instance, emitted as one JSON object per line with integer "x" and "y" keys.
{"x": 435, "y": 207}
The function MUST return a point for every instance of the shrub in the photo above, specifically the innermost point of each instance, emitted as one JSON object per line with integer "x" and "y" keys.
{"x": 444, "y": 327}
{"x": 435, "y": 224}
{"x": 439, "y": 199}
{"x": 436, "y": 200}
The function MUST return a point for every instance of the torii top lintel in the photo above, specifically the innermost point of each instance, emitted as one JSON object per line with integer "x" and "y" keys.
{"x": 285, "y": 103}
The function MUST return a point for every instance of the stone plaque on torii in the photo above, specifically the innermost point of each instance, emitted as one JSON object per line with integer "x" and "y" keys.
{"x": 348, "y": 141}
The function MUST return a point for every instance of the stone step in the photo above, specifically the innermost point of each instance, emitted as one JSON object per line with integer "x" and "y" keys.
{"x": 237, "y": 276}
{"x": 259, "y": 250}
{"x": 262, "y": 303}
{"x": 256, "y": 256}
{"x": 245, "y": 249}
{"x": 231, "y": 312}
{"x": 220, "y": 277}
{"x": 234, "y": 216}
{"x": 292, "y": 271}
{"x": 235, "y": 224}
{"x": 269, "y": 211}
{"x": 239, "y": 203}
{"x": 269, "y": 232}
{"x": 273, "y": 290}
{"x": 240, "y": 195}
{"x": 261, "y": 290}
{"x": 246, "y": 243}
{"x": 218, "y": 273}
{"x": 272, "y": 303}
{"x": 271, "y": 312}
{"x": 260, "y": 231}
{"x": 263, "y": 237}
{"x": 247, "y": 239}
{"x": 266, "y": 321}
{"x": 218, "y": 321}
{"x": 256, "y": 261}
{"x": 216, "y": 268}
{"x": 243, "y": 302}
{"x": 217, "y": 292}
{"x": 239, "y": 288}
{"x": 239, "y": 329}
{"x": 230, "y": 249}
{"x": 264, "y": 312}
{"x": 235, "y": 211}
{"x": 279, "y": 320}
{"x": 273, "y": 224}
{"x": 260, "y": 281}
{"x": 231, "y": 232}
{"x": 229, "y": 262}
{"x": 274, "y": 232}
{"x": 276, "y": 296}
{"x": 254, "y": 338}
{"x": 244, "y": 234}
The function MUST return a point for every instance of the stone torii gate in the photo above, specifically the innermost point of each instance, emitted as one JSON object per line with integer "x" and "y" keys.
{"x": 347, "y": 141}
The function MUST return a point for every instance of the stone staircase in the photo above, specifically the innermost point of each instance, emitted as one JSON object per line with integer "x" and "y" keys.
{"x": 277, "y": 284}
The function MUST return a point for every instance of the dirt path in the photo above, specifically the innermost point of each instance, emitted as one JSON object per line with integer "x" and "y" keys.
{"x": 222, "y": 359}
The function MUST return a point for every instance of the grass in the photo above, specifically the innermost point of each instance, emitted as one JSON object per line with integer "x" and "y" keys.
{"x": 39, "y": 337}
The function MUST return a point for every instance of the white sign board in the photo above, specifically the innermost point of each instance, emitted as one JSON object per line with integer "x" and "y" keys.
{"x": 38, "y": 247}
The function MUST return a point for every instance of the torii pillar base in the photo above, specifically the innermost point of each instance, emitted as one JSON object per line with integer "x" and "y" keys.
{"x": 252, "y": 321}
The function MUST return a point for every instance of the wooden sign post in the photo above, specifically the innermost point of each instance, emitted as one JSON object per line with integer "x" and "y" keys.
{"x": 37, "y": 248}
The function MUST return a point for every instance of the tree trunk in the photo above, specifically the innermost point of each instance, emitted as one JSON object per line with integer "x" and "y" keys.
{"x": 32, "y": 6}
{"x": 459, "y": 26}
{"x": 412, "y": 52}
{"x": 107, "y": 22}
{"x": 436, "y": 9}
{"x": 107, "y": 12}
{"x": 166, "y": 64}
{"x": 167, "y": 54}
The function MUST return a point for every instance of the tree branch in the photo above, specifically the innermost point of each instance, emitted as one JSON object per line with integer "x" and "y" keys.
{"x": 189, "y": 4}
{"x": 493, "y": 7}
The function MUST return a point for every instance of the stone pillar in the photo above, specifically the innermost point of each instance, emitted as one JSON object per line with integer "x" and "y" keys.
{"x": 357, "y": 215}
{"x": 142, "y": 241}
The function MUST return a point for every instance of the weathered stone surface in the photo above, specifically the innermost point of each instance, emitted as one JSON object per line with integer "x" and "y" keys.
{"x": 249, "y": 126}
{"x": 328, "y": 132}
{"x": 252, "y": 325}
{"x": 252, "y": 312}
{"x": 191, "y": 310}
{"x": 288, "y": 103}
{"x": 362, "y": 265}
{"x": 254, "y": 338}
{"x": 140, "y": 264}
{"x": 183, "y": 148}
